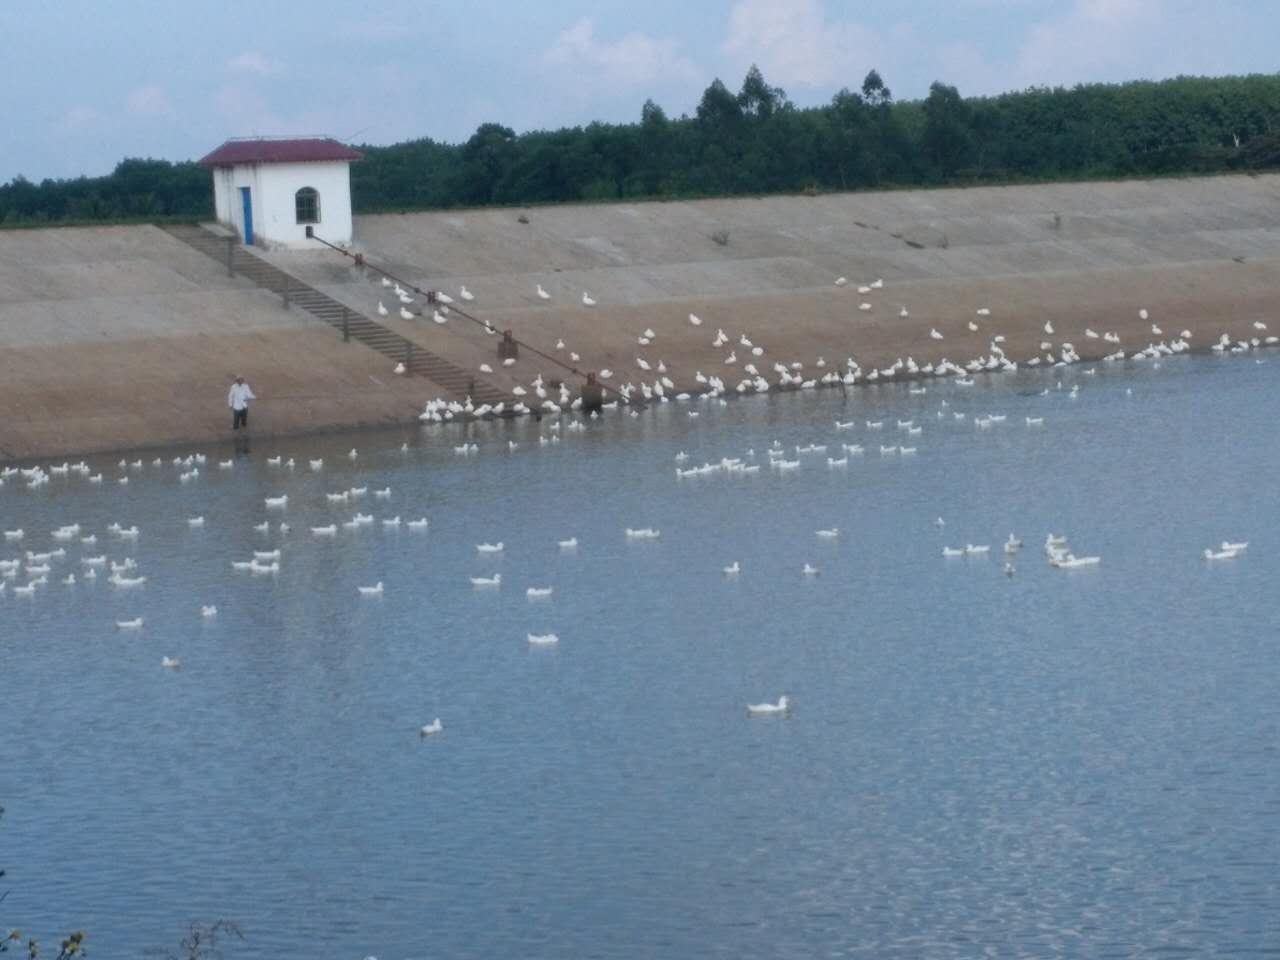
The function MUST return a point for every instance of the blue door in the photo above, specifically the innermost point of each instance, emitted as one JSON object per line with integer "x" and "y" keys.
{"x": 248, "y": 216}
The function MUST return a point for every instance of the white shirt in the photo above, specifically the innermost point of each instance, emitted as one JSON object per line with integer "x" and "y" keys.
{"x": 239, "y": 395}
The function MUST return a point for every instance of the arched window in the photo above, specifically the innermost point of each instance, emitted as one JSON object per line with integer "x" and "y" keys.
{"x": 307, "y": 203}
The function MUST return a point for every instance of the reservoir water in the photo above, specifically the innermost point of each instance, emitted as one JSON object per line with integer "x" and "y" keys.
{"x": 1054, "y": 763}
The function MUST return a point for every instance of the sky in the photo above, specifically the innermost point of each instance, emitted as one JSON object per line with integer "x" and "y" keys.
{"x": 88, "y": 83}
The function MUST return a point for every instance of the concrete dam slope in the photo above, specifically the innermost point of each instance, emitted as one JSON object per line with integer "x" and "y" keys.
{"x": 116, "y": 337}
{"x": 122, "y": 336}
{"x": 1198, "y": 254}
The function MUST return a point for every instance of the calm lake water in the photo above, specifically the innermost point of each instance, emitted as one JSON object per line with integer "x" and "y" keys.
{"x": 1057, "y": 763}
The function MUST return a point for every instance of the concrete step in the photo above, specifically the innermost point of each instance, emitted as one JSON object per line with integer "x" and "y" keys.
{"x": 418, "y": 360}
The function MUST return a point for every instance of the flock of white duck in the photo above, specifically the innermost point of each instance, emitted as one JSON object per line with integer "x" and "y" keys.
{"x": 777, "y": 458}
{"x": 654, "y": 382}
{"x": 37, "y": 566}
{"x": 53, "y": 560}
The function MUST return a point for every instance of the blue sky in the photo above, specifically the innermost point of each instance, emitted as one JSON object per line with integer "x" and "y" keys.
{"x": 87, "y": 83}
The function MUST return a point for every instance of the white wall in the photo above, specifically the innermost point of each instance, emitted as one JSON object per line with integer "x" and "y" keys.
{"x": 273, "y": 187}
{"x": 228, "y": 207}
{"x": 221, "y": 210}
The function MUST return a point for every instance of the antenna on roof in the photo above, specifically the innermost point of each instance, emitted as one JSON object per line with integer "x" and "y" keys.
{"x": 281, "y": 136}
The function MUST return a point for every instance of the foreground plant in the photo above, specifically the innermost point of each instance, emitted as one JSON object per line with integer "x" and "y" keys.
{"x": 201, "y": 941}
{"x": 72, "y": 946}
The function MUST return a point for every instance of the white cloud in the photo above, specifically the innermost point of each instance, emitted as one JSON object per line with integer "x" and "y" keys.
{"x": 242, "y": 111}
{"x": 149, "y": 101}
{"x": 254, "y": 62}
{"x": 372, "y": 31}
{"x": 795, "y": 44}
{"x": 1116, "y": 11}
{"x": 246, "y": 110}
{"x": 800, "y": 45}
{"x": 78, "y": 118}
{"x": 1096, "y": 40}
{"x": 962, "y": 65}
{"x": 634, "y": 60}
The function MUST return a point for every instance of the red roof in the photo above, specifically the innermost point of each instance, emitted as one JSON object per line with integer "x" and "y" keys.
{"x": 297, "y": 150}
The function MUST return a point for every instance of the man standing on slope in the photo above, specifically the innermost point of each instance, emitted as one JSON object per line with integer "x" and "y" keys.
{"x": 238, "y": 398}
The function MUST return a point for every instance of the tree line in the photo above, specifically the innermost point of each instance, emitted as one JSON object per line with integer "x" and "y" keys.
{"x": 756, "y": 141}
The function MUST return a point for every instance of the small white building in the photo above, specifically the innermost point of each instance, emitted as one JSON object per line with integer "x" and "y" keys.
{"x": 270, "y": 189}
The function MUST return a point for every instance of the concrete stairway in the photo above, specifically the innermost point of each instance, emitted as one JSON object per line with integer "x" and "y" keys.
{"x": 417, "y": 359}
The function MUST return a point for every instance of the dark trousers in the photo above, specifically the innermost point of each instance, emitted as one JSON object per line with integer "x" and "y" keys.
{"x": 240, "y": 418}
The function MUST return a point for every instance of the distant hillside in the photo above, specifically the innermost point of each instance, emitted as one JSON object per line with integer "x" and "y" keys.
{"x": 757, "y": 142}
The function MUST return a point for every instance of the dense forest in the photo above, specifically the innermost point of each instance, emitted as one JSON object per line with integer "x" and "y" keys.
{"x": 756, "y": 141}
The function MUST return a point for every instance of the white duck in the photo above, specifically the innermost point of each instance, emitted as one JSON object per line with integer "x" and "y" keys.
{"x": 782, "y": 707}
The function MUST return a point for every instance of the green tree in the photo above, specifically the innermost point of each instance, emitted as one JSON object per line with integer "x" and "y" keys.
{"x": 752, "y": 142}
{"x": 487, "y": 158}
{"x": 654, "y": 146}
{"x": 874, "y": 92}
{"x": 719, "y": 112}
{"x": 847, "y": 141}
{"x": 947, "y": 141}
{"x": 758, "y": 99}
{"x": 886, "y": 144}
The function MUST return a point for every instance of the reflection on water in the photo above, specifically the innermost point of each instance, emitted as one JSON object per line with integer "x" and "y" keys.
{"x": 1053, "y": 763}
